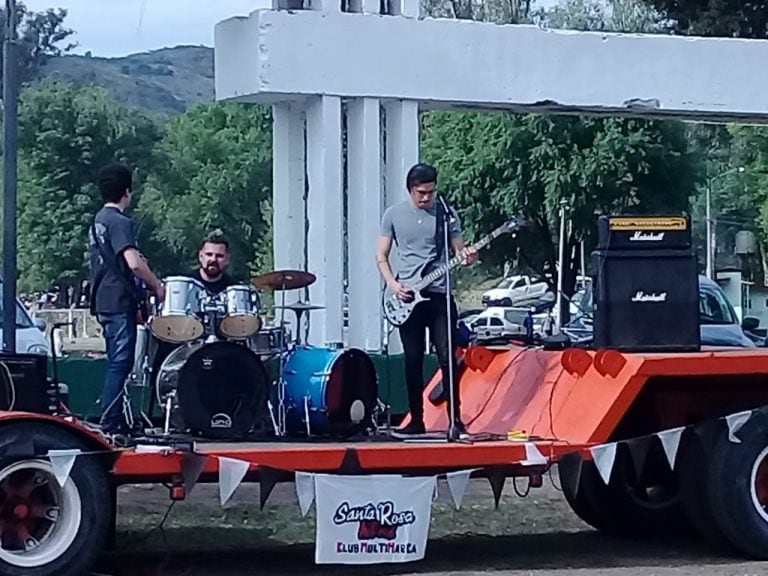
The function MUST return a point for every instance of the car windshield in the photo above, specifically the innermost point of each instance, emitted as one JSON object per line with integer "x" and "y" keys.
{"x": 714, "y": 308}
{"x": 22, "y": 318}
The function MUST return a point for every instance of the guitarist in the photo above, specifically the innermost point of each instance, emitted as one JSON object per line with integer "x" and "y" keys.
{"x": 415, "y": 226}
{"x": 116, "y": 299}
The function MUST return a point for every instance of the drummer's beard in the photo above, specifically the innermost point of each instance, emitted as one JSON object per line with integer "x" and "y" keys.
{"x": 212, "y": 270}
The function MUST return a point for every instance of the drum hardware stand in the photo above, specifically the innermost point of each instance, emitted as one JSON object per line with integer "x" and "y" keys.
{"x": 168, "y": 408}
{"x": 306, "y": 415}
{"x": 281, "y": 367}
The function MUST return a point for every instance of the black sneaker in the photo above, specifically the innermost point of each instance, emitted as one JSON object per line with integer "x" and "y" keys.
{"x": 413, "y": 428}
{"x": 459, "y": 430}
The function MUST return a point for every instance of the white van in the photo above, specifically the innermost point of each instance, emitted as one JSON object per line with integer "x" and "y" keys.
{"x": 30, "y": 334}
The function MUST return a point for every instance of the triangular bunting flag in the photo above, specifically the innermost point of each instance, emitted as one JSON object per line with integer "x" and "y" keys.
{"x": 670, "y": 441}
{"x": 497, "y": 485}
{"x": 191, "y": 467}
{"x": 638, "y": 450}
{"x": 231, "y": 474}
{"x": 305, "y": 491}
{"x": 604, "y": 456}
{"x": 533, "y": 455}
{"x": 735, "y": 422}
{"x": 569, "y": 469}
{"x": 268, "y": 478}
{"x": 457, "y": 485}
{"x": 62, "y": 462}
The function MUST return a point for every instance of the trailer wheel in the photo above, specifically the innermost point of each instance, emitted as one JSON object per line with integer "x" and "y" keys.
{"x": 738, "y": 487}
{"x": 693, "y": 464}
{"x": 629, "y": 505}
{"x": 47, "y": 529}
{"x": 572, "y": 470}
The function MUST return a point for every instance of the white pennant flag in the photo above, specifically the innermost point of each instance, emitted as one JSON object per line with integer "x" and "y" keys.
{"x": 305, "y": 491}
{"x": 533, "y": 455}
{"x": 192, "y": 466}
{"x": 231, "y": 474}
{"x": 62, "y": 462}
{"x": 457, "y": 485}
{"x": 735, "y": 422}
{"x": 670, "y": 441}
{"x": 604, "y": 456}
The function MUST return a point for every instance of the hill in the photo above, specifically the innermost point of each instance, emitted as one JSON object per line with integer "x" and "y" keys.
{"x": 166, "y": 81}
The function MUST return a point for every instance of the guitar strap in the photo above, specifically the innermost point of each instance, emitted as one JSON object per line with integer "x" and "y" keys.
{"x": 111, "y": 264}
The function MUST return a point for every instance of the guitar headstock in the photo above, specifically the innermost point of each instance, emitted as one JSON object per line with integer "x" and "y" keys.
{"x": 514, "y": 223}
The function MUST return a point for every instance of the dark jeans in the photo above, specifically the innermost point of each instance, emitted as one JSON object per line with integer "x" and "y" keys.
{"x": 429, "y": 314}
{"x": 120, "y": 337}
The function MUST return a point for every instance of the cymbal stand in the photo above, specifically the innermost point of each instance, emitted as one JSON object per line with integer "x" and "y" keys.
{"x": 280, "y": 380}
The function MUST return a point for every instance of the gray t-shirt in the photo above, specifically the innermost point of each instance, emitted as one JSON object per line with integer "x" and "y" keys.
{"x": 413, "y": 231}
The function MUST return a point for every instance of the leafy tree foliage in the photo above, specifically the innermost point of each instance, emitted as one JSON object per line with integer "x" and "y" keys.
{"x": 65, "y": 135}
{"x": 736, "y": 18}
{"x": 214, "y": 173}
{"x": 496, "y": 165}
{"x": 40, "y": 36}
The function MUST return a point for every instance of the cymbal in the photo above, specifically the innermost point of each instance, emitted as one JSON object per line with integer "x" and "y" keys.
{"x": 301, "y": 306}
{"x": 284, "y": 280}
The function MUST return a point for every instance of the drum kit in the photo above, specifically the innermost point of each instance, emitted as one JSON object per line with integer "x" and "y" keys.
{"x": 214, "y": 383}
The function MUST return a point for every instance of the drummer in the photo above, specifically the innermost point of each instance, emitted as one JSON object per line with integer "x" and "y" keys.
{"x": 214, "y": 261}
{"x": 213, "y": 257}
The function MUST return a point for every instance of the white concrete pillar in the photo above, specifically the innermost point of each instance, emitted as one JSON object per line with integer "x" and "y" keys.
{"x": 365, "y": 207}
{"x": 402, "y": 142}
{"x": 325, "y": 210}
{"x": 288, "y": 204}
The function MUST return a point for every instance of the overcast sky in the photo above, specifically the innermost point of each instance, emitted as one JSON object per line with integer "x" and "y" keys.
{"x": 120, "y": 27}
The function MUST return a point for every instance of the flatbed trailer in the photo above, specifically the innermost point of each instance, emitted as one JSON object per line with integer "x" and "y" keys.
{"x": 643, "y": 442}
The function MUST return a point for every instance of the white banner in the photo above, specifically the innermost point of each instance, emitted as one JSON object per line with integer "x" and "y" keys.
{"x": 372, "y": 519}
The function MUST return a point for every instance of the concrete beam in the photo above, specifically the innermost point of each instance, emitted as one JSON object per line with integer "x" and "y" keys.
{"x": 288, "y": 204}
{"x": 365, "y": 201}
{"x": 325, "y": 210}
{"x": 274, "y": 55}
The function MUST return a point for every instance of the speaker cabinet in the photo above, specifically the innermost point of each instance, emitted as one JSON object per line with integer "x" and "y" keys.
{"x": 24, "y": 385}
{"x": 644, "y": 233}
{"x": 646, "y": 301}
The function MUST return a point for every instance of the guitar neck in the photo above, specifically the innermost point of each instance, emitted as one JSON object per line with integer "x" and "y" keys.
{"x": 456, "y": 260}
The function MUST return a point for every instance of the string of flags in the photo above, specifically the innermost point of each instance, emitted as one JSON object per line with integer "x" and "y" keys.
{"x": 604, "y": 455}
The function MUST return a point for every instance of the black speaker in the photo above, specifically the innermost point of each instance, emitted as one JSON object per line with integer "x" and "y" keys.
{"x": 24, "y": 384}
{"x": 646, "y": 301}
{"x": 643, "y": 233}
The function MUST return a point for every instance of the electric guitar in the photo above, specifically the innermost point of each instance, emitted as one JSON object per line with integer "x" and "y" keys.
{"x": 397, "y": 311}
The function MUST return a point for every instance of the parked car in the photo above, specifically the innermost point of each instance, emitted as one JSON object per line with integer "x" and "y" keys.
{"x": 30, "y": 334}
{"x": 497, "y": 322}
{"x": 718, "y": 323}
{"x": 519, "y": 291}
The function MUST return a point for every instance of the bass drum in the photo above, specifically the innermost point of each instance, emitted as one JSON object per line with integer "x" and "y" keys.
{"x": 220, "y": 389}
{"x": 336, "y": 388}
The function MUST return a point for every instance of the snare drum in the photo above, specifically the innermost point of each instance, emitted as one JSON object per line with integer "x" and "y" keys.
{"x": 269, "y": 341}
{"x": 179, "y": 318}
{"x": 241, "y": 312}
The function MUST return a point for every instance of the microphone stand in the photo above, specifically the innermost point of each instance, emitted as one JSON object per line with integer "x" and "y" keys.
{"x": 453, "y": 433}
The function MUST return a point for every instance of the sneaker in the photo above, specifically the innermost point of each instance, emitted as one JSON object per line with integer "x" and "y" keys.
{"x": 413, "y": 428}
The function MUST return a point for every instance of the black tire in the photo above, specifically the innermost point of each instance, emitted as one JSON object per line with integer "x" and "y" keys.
{"x": 693, "y": 465}
{"x": 632, "y": 505}
{"x": 83, "y": 510}
{"x": 572, "y": 470}
{"x": 730, "y": 487}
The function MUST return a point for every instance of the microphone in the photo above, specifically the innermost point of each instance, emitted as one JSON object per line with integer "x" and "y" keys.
{"x": 446, "y": 209}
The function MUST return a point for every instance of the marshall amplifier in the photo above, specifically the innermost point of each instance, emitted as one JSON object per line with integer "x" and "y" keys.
{"x": 646, "y": 301}
{"x": 644, "y": 233}
{"x": 24, "y": 384}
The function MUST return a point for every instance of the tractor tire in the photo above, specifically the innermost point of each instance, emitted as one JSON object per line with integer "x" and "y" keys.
{"x": 47, "y": 529}
{"x": 738, "y": 487}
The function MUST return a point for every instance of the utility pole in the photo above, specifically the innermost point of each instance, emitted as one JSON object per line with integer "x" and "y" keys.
{"x": 711, "y": 231}
{"x": 561, "y": 272}
{"x": 10, "y": 131}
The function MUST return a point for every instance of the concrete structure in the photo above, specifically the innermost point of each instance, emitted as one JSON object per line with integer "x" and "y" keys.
{"x": 322, "y": 68}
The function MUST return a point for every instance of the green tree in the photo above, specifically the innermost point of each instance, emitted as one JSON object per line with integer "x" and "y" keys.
{"x": 65, "y": 135}
{"x": 214, "y": 173}
{"x": 493, "y": 166}
{"x": 728, "y": 18}
{"x": 41, "y": 35}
